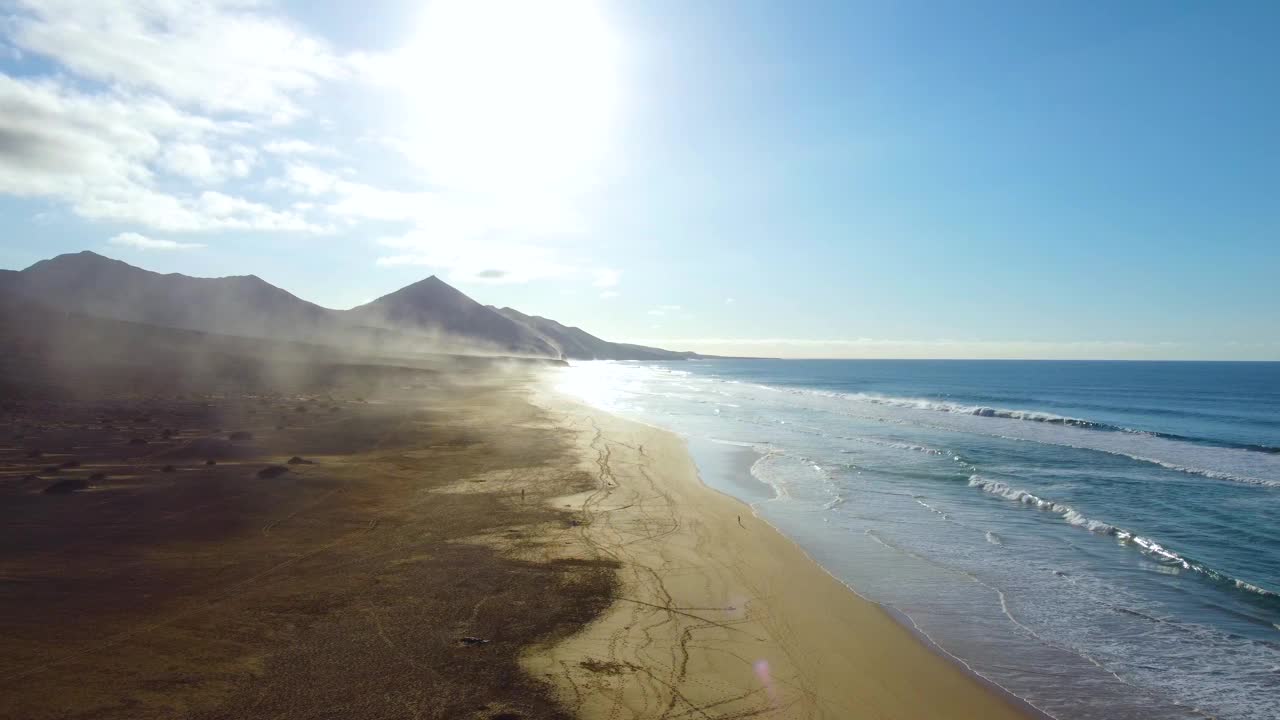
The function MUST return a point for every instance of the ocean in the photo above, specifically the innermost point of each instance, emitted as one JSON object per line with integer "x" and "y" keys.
{"x": 1101, "y": 539}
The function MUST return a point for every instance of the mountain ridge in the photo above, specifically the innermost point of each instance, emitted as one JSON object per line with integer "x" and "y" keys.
{"x": 428, "y": 315}
{"x": 578, "y": 344}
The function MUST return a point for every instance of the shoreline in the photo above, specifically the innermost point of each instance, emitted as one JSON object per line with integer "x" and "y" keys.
{"x": 900, "y": 617}
{"x": 719, "y": 613}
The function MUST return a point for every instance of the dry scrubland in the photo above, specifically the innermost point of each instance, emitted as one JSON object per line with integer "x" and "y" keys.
{"x": 160, "y": 556}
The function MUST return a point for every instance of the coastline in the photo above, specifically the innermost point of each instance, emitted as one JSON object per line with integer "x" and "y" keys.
{"x": 718, "y": 614}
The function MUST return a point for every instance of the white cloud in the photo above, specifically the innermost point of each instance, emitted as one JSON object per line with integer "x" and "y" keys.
{"x": 218, "y": 55}
{"x": 56, "y": 141}
{"x": 199, "y": 162}
{"x": 297, "y": 147}
{"x": 142, "y": 242}
{"x": 487, "y": 262}
{"x": 188, "y": 213}
{"x": 171, "y": 115}
{"x": 99, "y": 152}
{"x": 728, "y": 301}
{"x": 352, "y": 200}
{"x": 608, "y": 295}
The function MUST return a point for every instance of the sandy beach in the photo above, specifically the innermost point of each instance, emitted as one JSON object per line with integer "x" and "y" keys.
{"x": 717, "y": 614}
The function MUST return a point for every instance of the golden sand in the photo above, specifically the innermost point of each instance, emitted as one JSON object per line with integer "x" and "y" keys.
{"x": 720, "y": 616}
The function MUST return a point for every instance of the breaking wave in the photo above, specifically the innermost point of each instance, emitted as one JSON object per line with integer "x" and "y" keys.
{"x": 1145, "y": 545}
{"x": 900, "y": 445}
{"x": 1212, "y": 474}
{"x": 1040, "y": 417}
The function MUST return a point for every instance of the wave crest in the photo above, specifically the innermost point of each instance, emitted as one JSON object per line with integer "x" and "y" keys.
{"x": 1145, "y": 545}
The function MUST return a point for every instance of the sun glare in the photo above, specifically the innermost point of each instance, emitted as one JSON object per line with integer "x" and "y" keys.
{"x": 511, "y": 94}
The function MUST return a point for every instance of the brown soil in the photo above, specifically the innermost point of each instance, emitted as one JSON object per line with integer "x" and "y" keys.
{"x": 339, "y": 589}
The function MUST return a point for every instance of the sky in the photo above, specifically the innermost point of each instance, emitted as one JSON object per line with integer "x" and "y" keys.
{"x": 845, "y": 179}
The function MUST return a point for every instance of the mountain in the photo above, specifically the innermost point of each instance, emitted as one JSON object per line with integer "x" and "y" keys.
{"x": 432, "y": 306}
{"x": 427, "y": 316}
{"x": 577, "y": 344}
{"x": 91, "y": 284}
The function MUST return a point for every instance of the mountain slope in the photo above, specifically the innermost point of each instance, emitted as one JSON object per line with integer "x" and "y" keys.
{"x": 577, "y": 344}
{"x": 428, "y": 316}
{"x": 432, "y": 306}
{"x": 242, "y": 305}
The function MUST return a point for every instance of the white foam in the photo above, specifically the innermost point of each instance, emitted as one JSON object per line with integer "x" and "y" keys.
{"x": 900, "y": 445}
{"x": 1146, "y": 545}
{"x": 932, "y": 509}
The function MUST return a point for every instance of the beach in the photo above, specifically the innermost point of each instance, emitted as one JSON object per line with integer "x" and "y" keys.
{"x": 717, "y": 614}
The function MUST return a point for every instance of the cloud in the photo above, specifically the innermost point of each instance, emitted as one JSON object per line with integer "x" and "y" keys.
{"x": 297, "y": 147}
{"x": 208, "y": 210}
{"x": 58, "y": 141}
{"x": 728, "y": 301}
{"x": 142, "y": 242}
{"x": 492, "y": 262}
{"x": 209, "y": 165}
{"x": 228, "y": 56}
{"x": 100, "y": 153}
{"x": 608, "y": 295}
{"x": 196, "y": 116}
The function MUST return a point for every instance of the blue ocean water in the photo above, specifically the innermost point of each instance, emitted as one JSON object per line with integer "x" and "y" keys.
{"x": 1102, "y": 539}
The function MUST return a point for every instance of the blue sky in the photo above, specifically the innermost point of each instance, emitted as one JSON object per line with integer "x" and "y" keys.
{"x": 934, "y": 179}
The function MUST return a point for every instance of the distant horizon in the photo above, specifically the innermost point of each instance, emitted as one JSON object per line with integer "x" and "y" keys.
{"x": 981, "y": 180}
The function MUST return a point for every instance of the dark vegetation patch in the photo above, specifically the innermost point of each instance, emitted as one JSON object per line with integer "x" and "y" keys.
{"x": 341, "y": 591}
{"x": 605, "y": 667}
{"x": 69, "y": 485}
{"x": 215, "y": 448}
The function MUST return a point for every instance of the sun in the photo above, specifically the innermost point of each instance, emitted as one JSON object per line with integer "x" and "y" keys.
{"x": 510, "y": 94}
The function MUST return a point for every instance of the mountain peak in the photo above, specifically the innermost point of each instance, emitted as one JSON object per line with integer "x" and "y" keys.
{"x": 83, "y": 261}
{"x": 434, "y": 305}
{"x": 428, "y": 287}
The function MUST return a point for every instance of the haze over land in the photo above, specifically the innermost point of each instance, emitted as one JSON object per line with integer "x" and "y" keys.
{"x": 428, "y": 316}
